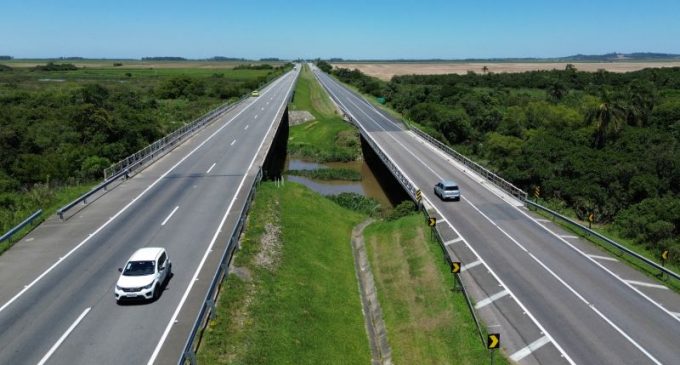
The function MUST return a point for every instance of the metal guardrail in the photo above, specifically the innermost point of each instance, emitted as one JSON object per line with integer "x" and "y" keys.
{"x": 604, "y": 238}
{"x": 208, "y": 308}
{"x": 83, "y": 198}
{"x": 488, "y": 175}
{"x": 21, "y": 225}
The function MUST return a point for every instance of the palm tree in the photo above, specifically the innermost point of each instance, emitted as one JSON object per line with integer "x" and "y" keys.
{"x": 485, "y": 69}
{"x": 557, "y": 91}
{"x": 608, "y": 118}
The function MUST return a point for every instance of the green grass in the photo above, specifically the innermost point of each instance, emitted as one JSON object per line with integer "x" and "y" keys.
{"x": 329, "y": 137}
{"x": 426, "y": 322}
{"x": 307, "y": 309}
{"x": 328, "y": 174}
{"x": 49, "y": 200}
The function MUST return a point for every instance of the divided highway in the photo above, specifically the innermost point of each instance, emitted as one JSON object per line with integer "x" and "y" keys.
{"x": 56, "y": 285}
{"x": 554, "y": 298}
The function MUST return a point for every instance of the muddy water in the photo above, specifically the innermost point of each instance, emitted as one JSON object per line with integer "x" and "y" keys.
{"x": 368, "y": 186}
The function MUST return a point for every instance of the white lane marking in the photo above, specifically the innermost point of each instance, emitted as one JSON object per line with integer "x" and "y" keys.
{"x": 49, "y": 269}
{"x": 573, "y": 291}
{"x": 600, "y": 265}
{"x": 606, "y": 258}
{"x": 578, "y": 250}
{"x": 568, "y": 236}
{"x": 29, "y": 239}
{"x": 442, "y": 220}
{"x": 246, "y": 128}
{"x": 63, "y": 337}
{"x": 486, "y": 301}
{"x": 470, "y": 265}
{"x": 677, "y": 314}
{"x": 169, "y": 215}
{"x": 267, "y": 103}
{"x": 543, "y": 220}
{"x": 646, "y": 284}
{"x": 232, "y": 142}
{"x": 262, "y": 108}
{"x": 210, "y": 247}
{"x": 520, "y": 354}
{"x": 211, "y": 167}
{"x": 255, "y": 116}
{"x": 453, "y": 241}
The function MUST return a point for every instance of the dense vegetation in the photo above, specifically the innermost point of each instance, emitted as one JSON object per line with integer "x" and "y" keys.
{"x": 602, "y": 142}
{"x": 61, "y": 124}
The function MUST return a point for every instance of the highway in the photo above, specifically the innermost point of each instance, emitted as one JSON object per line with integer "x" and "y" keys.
{"x": 553, "y": 297}
{"x": 56, "y": 285}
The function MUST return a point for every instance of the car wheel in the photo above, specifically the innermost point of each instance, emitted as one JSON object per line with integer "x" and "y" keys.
{"x": 156, "y": 292}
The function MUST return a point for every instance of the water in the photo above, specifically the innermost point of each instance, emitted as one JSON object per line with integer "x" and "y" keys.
{"x": 368, "y": 186}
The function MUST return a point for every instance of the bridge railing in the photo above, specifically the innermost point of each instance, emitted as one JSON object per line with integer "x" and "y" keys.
{"x": 21, "y": 225}
{"x": 610, "y": 242}
{"x": 488, "y": 175}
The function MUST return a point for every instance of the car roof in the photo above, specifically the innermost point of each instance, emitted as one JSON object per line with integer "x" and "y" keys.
{"x": 448, "y": 183}
{"x": 147, "y": 254}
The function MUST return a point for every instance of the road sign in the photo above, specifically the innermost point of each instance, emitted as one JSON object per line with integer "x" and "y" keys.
{"x": 664, "y": 255}
{"x": 493, "y": 341}
{"x": 419, "y": 195}
{"x": 537, "y": 191}
{"x": 455, "y": 267}
{"x": 591, "y": 217}
{"x": 432, "y": 222}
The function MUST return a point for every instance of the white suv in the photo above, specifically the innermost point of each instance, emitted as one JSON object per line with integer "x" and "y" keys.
{"x": 144, "y": 275}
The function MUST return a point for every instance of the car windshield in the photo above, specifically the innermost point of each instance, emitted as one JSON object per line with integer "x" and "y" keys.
{"x": 451, "y": 188}
{"x": 139, "y": 268}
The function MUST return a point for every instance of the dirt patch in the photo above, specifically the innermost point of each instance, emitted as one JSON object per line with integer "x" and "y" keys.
{"x": 385, "y": 71}
{"x": 270, "y": 242}
{"x": 296, "y": 117}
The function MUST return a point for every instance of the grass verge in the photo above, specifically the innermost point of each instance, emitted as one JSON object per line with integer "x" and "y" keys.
{"x": 299, "y": 306}
{"x": 328, "y": 174}
{"x": 426, "y": 322}
{"x": 329, "y": 137}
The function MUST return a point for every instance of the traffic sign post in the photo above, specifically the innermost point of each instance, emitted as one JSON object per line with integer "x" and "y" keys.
{"x": 493, "y": 342}
{"x": 432, "y": 221}
{"x": 419, "y": 195}
{"x": 591, "y": 217}
{"x": 455, "y": 269}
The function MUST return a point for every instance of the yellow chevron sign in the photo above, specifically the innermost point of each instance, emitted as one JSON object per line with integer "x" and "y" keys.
{"x": 664, "y": 255}
{"x": 432, "y": 222}
{"x": 419, "y": 195}
{"x": 493, "y": 341}
{"x": 455, "y": 267}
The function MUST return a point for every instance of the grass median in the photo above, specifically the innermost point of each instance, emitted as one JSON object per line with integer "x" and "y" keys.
{"x": 295, "y": 298}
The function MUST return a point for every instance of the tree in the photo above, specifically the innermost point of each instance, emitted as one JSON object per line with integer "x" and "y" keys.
{"x": 557, "y": 91}
{"x": 608, "y": 119}
{"x": 485, "y": 69}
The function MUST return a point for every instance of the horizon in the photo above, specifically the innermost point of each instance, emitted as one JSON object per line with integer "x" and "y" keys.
{"x": 352, "y": 29}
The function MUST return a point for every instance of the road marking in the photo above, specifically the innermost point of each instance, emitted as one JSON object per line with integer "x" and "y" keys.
{"x": 211, "y": 167}
{"x": 470, "y": 265}
{"x": 232, "y": 142}
{"x": 246, "y": 128}
{"x": 168, "y": 217}
{"x": 442, "y": 220}
{"x": 491, "y": 299}
{"x": 519, "y": 355}
{"x": 255, "y": 116}
{"x": 29, "y": 239}
{"x": 606, "y": 258}
{"x": 63, "y": 337}
{"x": 643, "y": 283}
{"x": 262, "y": 108}
{"x": 568, "y": 236}
{"x": 543, "y": 220}
{"x": 126, "y": 207}
{"x": 157, "y": 350}
{"x": 453, "y": 241}
{"x": 677, "y": 314}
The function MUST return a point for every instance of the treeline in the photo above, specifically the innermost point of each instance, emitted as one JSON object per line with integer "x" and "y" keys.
{"x": 602, "y": 143}
{"x": 51, "y": 66}
{"x": 164, "y": 58}
{"x": 263, "y": 66}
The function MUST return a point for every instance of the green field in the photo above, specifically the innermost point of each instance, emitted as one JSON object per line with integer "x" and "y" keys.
{"x": 300, "y": 304}
{"x": 426, "y": 322}
{"x": 329, "y": 137}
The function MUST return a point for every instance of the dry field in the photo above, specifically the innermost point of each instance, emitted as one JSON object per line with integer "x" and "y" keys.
{"x": 136, "y": 64}
{"x": 385, "y": 71}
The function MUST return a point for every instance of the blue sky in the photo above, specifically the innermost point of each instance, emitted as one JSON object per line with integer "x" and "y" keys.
{"x": 348, "y": 29}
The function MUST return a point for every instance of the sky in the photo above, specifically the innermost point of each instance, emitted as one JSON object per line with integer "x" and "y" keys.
{"x": 350, "y": 29}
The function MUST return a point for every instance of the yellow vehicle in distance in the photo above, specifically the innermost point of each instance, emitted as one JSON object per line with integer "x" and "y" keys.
{"x": 255, "y": 93}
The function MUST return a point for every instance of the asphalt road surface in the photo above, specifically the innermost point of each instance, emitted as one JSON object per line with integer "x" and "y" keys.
{"x": 56, "y": 285}
{"x": 585, "y": 311}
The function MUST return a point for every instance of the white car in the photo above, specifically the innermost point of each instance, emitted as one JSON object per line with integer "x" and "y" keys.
{"x": 144, "y": 275}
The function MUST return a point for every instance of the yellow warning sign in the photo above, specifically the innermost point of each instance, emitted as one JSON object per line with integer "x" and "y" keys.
{"x": 455, "y": 267}
{"x": 493, "y": 341}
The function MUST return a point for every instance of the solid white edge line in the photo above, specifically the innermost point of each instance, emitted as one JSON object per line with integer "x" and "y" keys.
{"x": 63, "y": 337}
{"x": 169, "y": 215}
{"x": 31, "y": 284}
{"x": 470, "y": 265}
{"x": 519, "y": 355}
{"x": 677, "y": 314}
{"x": 646, "y": 284}
{"x": 492, "y": 298}
{"x": 606, "y": 258}
{"x": 212, "y": 242}
{"x": 521, "y": 305}
{"x": 211, "y": 167}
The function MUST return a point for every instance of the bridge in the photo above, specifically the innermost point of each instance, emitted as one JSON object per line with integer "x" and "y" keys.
{"x": 553, "y": 297}
{"x": 56, "y": 292}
